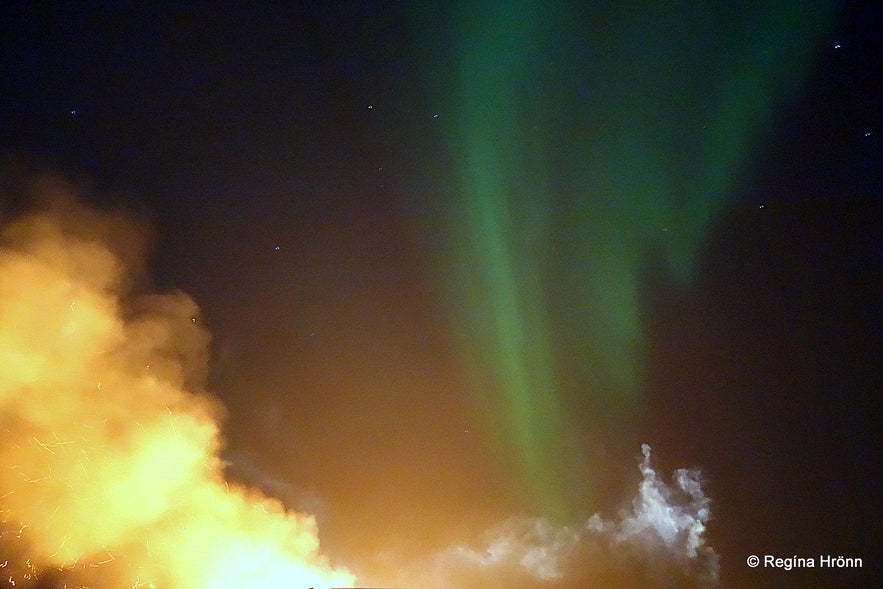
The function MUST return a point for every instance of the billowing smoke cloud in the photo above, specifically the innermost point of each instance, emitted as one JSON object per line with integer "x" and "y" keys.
{"x": 109, "y": 449}
{"x": 110, "y": 474}
{"x": 657, "y": 542}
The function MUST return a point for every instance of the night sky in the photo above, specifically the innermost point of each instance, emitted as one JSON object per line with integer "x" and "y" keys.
{"x": 459, "y": 262}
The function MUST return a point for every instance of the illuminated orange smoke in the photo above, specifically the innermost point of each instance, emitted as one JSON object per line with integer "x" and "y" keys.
{"x": 109, "y": 468}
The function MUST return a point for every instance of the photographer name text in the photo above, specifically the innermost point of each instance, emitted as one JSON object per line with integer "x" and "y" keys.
{"x": 804, "y": 562}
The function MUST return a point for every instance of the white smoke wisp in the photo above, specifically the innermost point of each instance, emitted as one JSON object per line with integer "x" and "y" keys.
{"x": 673, "y": 516}
{"x": 110, "y": 473}
{"x": 532, "y": 544}
{"x": 659, "y": 541}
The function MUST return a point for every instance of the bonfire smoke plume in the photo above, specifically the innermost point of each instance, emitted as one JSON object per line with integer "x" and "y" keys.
{"x": 657, "y": 542}
{"x": 109, "y": 447}
{"x": 110, "y": 475}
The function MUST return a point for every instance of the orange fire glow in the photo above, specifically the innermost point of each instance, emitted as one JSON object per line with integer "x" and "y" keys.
{"x": 110, "y": 473}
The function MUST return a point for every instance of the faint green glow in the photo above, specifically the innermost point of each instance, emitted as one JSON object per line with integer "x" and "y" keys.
{"x": 584, "y": 137}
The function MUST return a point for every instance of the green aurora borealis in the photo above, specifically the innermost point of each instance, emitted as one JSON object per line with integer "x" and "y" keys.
{"x": 588, "y": 139}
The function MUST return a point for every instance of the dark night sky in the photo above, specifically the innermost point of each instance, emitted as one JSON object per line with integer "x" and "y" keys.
{"x": 289, "y": 160}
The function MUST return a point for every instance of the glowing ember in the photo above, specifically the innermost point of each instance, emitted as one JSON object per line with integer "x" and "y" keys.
{"x": 109, "y": 468}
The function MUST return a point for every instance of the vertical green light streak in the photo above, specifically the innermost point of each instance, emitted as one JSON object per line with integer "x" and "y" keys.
{"x": 582, "y": 136}
{"x": 507, "y": 230}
